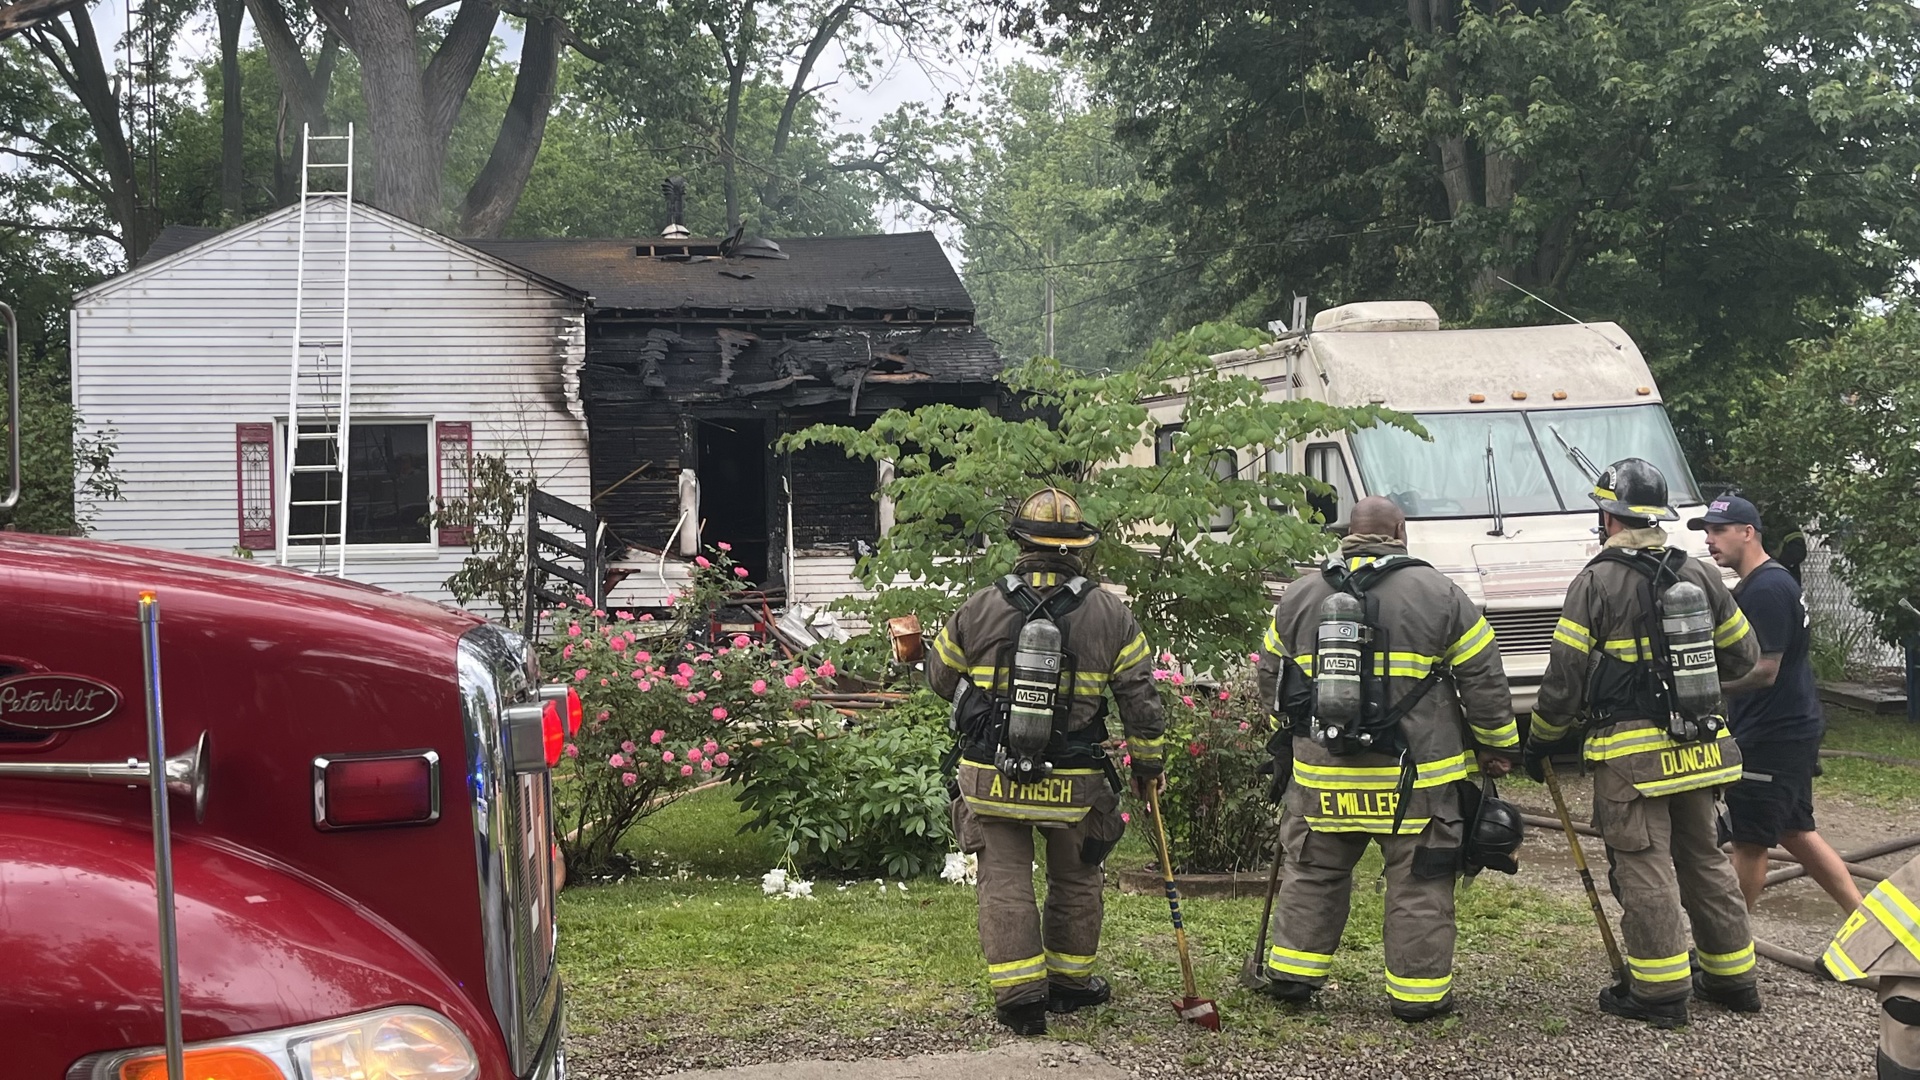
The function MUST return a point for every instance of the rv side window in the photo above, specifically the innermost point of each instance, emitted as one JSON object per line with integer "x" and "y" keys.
{"x": 1163, "y": 443}
{"x": 1278, "y": 462}
{"x": 1225, "y": 465}
{"x": 1328, "y": 465}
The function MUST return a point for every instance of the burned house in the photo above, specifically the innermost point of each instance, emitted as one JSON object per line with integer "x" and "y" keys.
{"x": 701, "y": 354}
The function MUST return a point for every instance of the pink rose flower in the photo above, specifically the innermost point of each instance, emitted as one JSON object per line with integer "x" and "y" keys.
{"x": 693, "y": 753}
{"x": 623, "y": 616}
{"x": 617, "y": 761}
{"x": 706, "y": 766}
{"x": 1126, "y": 818}
{"x": 739, "y": 571}
{"x": 646, "y": 616}
{"x": 573, "y": 630}
{"x": 718, "y": 675}
{"x": 566, "y": 653}
{"x": 629, "y": 779}
{"x": 603, "y": 682}
{"x": 1244, "y": 726}
{"x": 580, "y": 675}
{"x": 721, "y": 760}
{"x": 627, "y": 744}
{"x": 704, "y": 657}
{"x": 1166, "y": 658}
{"x": 759, "y": 687}
{"x": 1186, "y": 700}
{"x": 684, "y": 668}
{"x": 791, "y": 681}
{"x": 693, "y": 699}
{"x": 666, "y": 758}
{"x": 682, "y": 681}
{"x": 646, "y": 685}
{"x": 711, "y": 745}
{"x": 1223, "y": 695}
{"x": 718, "y": 714}
{"x": 1160, "y": 674}
{"x": 825, "y": 671}
{"x": 1177, "y": 679}
{"x": 572, "y": 750}
{"x": 701, "y": 562}
{"x": 686, "y": 770}
{"x": 741, "y": 641}
{"x": 643, "y": 657}
{"x": 618, "y": 643}
{"x": 699, "y": 695}
{"x": 800, "y": 672}
{"x": 724, "y": 546}
{"x": 657, "y": 736}
{"x": 1126, "y": 759}
{"x": 1253, "y": 658}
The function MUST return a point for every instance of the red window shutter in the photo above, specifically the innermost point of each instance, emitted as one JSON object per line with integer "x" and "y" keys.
{"x": 253, "y": 456}
{"x": 454, "y": 438}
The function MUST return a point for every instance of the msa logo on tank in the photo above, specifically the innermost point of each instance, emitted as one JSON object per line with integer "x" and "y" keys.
{"x": 1683, "y": 760}
{"x": 49, "y": 702}
{"x": 1699, "y": 658}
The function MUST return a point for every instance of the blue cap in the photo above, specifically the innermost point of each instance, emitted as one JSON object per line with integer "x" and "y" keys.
{"x": 1727, "y": 510}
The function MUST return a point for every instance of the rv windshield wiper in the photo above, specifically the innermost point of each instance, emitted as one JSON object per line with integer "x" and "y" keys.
{"x": 1574, "y": 454}
{"x": 1493, "y": 489}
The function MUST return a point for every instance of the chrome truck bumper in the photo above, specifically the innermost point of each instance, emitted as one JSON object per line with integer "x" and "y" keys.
{"x": 550, "y": 1062}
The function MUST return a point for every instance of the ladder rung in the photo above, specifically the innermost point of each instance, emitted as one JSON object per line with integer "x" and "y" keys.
{"x": 310, "y": 342}
{"x": 322, "y": 537}
{"x": 328, "y": 138}
{"x": 316, "y": 435}
{"x": 315, "y": 502}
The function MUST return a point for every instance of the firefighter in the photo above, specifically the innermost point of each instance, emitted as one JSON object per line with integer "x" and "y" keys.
{"x": 1882, "y": 937}
{"x": 1028, "y": 665}
{"x": 1434, "y": 708}
{"x": 1643, "y": 641}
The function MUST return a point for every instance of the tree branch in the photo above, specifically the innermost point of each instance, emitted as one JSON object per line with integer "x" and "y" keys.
{"x": 823, "y": 36}
{"x": 53, "y": 157}
{"x": 496, "y": 191}
{"x": 304, "y": 90}
{"x": 425, "y": 8}
{"x": 900, "y": 189}
{"x": 451, "y": 71}
{"x": 334, "y": 14}
{"x": 29, "y": 13}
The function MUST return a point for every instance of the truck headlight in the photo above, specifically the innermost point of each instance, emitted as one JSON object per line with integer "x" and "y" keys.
{"x": 392, "y": 1044}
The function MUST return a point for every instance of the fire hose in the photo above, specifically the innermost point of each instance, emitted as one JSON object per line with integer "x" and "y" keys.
{"x": 1853, "y": 860}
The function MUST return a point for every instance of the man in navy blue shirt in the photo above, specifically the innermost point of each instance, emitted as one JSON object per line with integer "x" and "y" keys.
{"x": 1775, "y": 713}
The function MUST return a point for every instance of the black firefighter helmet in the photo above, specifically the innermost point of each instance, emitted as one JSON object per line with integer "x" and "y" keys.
{"x": 1634, "y": 488}
{"x": 1049, "y": 520}
{"x": 1493, "y": 834}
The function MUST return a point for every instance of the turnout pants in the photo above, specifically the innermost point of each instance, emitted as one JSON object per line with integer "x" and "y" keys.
{"x": 1315, "y": 899}
{"x": 1025, "y": 950}
{"x": 1668, "y": 872}
{"x": 1899, "y": 1040}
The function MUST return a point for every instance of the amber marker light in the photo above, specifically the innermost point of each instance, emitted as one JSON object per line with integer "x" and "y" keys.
{"x": 1476, "y": 398}
{"x": 1559, "y": 395}
{"x": 221, "y": 1063}
{"x": 1643, "y": 391}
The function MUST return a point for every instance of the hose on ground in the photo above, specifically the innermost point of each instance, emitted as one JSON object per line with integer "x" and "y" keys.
{"x": 1884, "y": 759}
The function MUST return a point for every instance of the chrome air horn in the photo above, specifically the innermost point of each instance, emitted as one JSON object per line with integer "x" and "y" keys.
{"x": 186, "y": 773}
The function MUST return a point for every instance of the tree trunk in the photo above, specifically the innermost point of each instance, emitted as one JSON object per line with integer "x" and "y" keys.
{"x": 408, "y": 160}
{"x": 76, "y": 55}
{"x": 737, "y": 57}
{"x": 231, "y": 13}
{"x": 778, "y": 184}
{"x": 496, "y": 191}
{"x": 304, "y": 90}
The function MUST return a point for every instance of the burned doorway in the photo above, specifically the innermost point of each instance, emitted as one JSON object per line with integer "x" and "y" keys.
{"x": 734, "y": 497}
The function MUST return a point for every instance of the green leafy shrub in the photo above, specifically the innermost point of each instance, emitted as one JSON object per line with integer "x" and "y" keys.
{"x": 1218, "y": 819}
{"x": 662, "y": 714}
{"x": 865, "y": 800}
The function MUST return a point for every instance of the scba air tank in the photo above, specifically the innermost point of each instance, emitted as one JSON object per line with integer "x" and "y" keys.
{"x": 1036, "y": 689}
{"x": 1687, "y": 622}
{"x": 1336, "y": 664}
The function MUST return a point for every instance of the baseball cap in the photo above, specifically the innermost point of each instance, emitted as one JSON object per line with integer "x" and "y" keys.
{"x": 1727, "y": 510}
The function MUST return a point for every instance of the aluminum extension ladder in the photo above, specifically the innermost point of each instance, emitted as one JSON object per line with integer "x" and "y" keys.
{"x": 319, "y": 388}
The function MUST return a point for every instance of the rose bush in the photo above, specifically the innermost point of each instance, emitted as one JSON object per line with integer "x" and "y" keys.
{"x": 662, "y": 714}
{"x": 1218, "y": 819}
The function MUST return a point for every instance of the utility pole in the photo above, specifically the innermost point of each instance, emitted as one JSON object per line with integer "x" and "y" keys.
{"x": 1049, "y": 273}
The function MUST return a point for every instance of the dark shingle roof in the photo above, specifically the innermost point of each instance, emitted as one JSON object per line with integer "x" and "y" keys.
{"x": 884, "y": 273}
{"x": 176, "y": 238}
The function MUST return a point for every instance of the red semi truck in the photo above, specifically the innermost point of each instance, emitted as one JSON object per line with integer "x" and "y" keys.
{"x": 362, "y": 868}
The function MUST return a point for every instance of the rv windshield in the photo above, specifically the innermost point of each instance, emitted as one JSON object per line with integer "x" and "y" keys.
{"x": 1447, "y": 478}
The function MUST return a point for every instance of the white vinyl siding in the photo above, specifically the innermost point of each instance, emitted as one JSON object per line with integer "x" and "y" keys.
{"x": 171, "y": 356}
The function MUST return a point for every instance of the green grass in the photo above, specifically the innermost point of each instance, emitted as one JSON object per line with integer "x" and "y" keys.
{"x": 701, "y": 950}
{"x": 1892, "y": 787}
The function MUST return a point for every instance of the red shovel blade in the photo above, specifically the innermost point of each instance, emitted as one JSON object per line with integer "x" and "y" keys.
{"x": 1198, "y": 1011}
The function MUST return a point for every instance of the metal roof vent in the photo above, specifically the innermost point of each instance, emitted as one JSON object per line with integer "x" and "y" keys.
{"x": 675, "y": 190}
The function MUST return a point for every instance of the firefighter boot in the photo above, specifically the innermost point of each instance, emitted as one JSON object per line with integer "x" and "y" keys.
{"x": 1287, "y": 990}
{"x": 1414, "y": 1012}
{"x": 1737, "y": 997}
{"x": 1024, "y": 1017}
{"x": 1062, "y": 998}
{"x": 1666, "y": 1015}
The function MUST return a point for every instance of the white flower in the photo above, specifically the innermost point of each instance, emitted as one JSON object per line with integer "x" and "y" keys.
{"x": 800, "y": 888}
{"x": 773, "y": 882}
{"x": 903, "y": 885}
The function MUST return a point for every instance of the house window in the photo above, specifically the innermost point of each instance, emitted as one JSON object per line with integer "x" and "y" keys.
{"x": 254, "y": 453}
{"x": 389, "y": 487}
{"x": 1327, "y": 464}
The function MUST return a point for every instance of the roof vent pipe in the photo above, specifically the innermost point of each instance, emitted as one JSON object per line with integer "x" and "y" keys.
{"x": 675, "y": 190}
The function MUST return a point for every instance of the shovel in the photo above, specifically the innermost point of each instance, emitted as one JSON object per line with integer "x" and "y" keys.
{"x": 1192, "y": 1008}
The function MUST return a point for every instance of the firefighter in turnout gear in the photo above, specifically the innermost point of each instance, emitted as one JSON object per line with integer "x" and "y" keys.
{"x": 1029, "y": 665}
{"x": 1644, "y": 638}
{"x": 1882, "y": 938}
{"x": 1384, "y": 737}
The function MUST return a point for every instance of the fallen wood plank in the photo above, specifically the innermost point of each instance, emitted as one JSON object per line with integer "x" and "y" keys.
{"x": 1866, "y": 698}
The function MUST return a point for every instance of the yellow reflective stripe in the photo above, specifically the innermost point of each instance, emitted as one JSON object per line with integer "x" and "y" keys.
{"x": 1146, "y": 749}
{"x": 1736, "y": 962}
{"x": 1313, "y": 965}
{"x": 1068, "y": 964}
{"x": 1604, "y": 493}
{"x": 1541, "y": 729}
{"x": 984, "y": 677}
{"x": 1135, "y": 652}
{"x": 1735, "y": 628}
{"x": 1572, "y": 634}
{"x": 1305, "y": 663}
{"x": 1627, "y": 743}
{"x": 1664, "y": 969}
{"x": 1382, "y": 777}
{"x": 1897, "y": 914}
{"x": 1271, "y": 642}
{"x": 1043, "y": 580}
{"x": 1689, "y": 782}
{"x": 1015, "y": 972}
{"x": 1411, "y": 665}
{"x": 1381, "y": 825}
{"x": 969, "y": 763}
{"x": 1472, "y": 643}
{"x": 948, "y": 652}
{"x": 1627, "y": 649}
{"x": 1407, "y": 988}
{"x": 1090, "y": 683}
{"x": 1842, "y": 965}
{"x": 1026, "y": 811}
{"x": 1500, "y": 738}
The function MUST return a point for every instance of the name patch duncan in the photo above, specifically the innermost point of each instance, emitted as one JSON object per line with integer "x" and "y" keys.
{"x": 1690, "y": 759}
{"x": 55, "y": 702}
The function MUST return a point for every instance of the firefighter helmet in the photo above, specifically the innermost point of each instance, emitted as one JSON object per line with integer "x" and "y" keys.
{"x": 1050, "y": 518}
{"x": 1633, "y": 488}
{"x": 1494, "y": 835}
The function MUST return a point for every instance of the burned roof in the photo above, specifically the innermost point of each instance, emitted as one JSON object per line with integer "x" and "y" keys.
{"x": 881, "y": 274}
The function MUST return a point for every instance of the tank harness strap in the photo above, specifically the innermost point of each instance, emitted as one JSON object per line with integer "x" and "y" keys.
{"x": 1656, "y": 573}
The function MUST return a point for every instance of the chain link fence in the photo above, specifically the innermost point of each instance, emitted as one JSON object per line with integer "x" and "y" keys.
{"x": 1843, "y": 635}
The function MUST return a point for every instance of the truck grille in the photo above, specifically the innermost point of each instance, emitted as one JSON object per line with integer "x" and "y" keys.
{"x": 1524, "y": 630}
{"x": 513, "y": 834}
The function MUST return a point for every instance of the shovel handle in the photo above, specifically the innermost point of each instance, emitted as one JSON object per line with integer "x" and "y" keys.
{"x": 1173, "y": 893}
{"x": 1586, "y": 875}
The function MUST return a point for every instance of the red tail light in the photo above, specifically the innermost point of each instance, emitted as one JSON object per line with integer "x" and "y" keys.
{"x": 353, "y": 791}
{"x": 554, "y": 730}
{"x": 576, "y": 711}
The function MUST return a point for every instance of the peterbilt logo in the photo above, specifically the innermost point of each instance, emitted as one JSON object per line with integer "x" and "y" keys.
{"x": 55, "y": 702}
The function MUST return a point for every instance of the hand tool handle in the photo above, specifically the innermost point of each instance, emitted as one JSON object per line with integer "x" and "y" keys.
{"x": 1173, "y": 894}
{"x": 1586, "y": 876}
